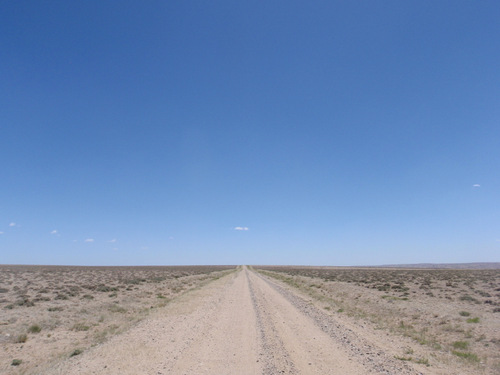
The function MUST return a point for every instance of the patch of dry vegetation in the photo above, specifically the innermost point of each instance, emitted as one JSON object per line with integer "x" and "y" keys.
{"x": 450, "y": 314}
{"x": 53, "y": 312}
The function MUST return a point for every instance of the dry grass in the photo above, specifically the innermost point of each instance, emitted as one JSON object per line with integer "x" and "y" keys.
{"x": 53, "y": 312}
{"x": 446, "y": 313}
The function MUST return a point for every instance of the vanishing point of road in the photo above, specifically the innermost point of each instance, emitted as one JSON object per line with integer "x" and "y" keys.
{"x": 242, "y": 323}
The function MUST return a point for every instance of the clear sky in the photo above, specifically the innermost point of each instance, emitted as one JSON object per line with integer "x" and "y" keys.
{"x": 249, "y": 132}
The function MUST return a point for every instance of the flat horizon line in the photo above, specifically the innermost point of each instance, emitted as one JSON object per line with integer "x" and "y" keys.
{"x": 425, "y": 265}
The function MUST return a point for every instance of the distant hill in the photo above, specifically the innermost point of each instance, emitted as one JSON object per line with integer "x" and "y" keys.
{"x": 455, "y": 266}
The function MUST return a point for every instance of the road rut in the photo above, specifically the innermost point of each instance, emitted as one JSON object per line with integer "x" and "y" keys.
{"x": 243, "y": 323}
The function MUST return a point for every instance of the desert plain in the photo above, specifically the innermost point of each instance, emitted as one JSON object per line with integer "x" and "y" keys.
{"x": 248, "y": 320}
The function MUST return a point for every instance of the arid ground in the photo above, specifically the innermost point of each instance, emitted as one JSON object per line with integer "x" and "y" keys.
{"x": 50, "y": 313}
{"x": 248, "y": 320}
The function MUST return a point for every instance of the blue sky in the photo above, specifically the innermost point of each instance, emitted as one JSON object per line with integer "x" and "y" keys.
{"x": 231, "y": 132}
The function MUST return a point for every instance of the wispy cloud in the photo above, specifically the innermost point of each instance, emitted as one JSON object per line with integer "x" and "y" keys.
{"x": 89, "y": 240}
{"x": 12, "y": 224}
{"x": 112, "y": 241}
{"x": 476, "y": 185}
{"x": 144, "y": 248}
{"x": 240, "y": 228}
{"x": 1, "y": 232}
{"x": 53, "y": 232}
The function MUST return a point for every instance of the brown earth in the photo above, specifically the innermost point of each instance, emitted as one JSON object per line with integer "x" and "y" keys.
{"x": 448, "y": 320}
{"x": 247, "y": 323}
{"x": 48, "y": 313}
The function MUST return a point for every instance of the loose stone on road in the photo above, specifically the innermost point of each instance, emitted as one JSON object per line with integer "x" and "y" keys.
{"x": 240, "y": 324}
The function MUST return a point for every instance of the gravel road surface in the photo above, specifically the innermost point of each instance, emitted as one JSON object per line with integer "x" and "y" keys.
{"x": 240, "y": 324}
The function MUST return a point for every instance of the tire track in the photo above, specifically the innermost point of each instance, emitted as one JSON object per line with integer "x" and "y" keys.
{"x": 273, "y": 356}
{"x": 240, "y": 324}
{"x": 356, "y": 348}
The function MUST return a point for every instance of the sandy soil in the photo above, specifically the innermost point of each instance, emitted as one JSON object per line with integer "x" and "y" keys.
{"x": 239, "y": 324}
{"x": 447, "y": 320}
{"x": 48, "y": 313}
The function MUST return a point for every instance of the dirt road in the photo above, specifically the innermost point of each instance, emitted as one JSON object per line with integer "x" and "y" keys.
{"x": 240, "y": 324}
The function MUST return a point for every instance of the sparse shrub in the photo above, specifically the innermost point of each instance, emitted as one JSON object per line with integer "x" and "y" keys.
{"x": 88, "y": 296}
{"x": 466, "y": 355}
{"x": 394, "y": 298}
{"x": 21, "y": 338}
{"x": 383, "y": 288}
{"x": 460, "y": 344}
{"x": 483, "y": 293}
{"x": 41, "y": 299}
{"x": 436, "y": 346}
{"x": 157, "y": 279}
{"x": 473, "y": 320}
{"x": 79, "y": 327}
{"x": 76, "y": 352}
{"x": 3, "y": 290}
{"x": 464, "y": 313}
{"x": 57, "y": 308}
{"x": 423, "y": 361}
{"x": 106, "y": 289}
{"x": 35, "y": 328}
{"x": 16, "y": 362}
{"x": 403, "y": 358}
{"x": 25, "y": 302}
{"x": 468, "y": 298}
{"x": 117, "y": 309}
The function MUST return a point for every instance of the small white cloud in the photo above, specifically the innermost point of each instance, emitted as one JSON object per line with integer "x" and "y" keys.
{"x": 240, "y": 228}
{"x": 89, "y": 240}
{"x": 12, "y": 224}
{"x": 115, "y": 248}
{"x": 112, "y": 241}
{"x": 144, "y": 248}
{"x": 1, "y": 232}
{"x": 170, "y": 238}
{"x": 53, "y": 232}
{"x": 476, "y": 185}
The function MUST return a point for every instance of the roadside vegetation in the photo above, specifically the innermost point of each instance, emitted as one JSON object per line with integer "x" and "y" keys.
{"x": 52, "y": 312}
{"x": 447, "y": 315}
